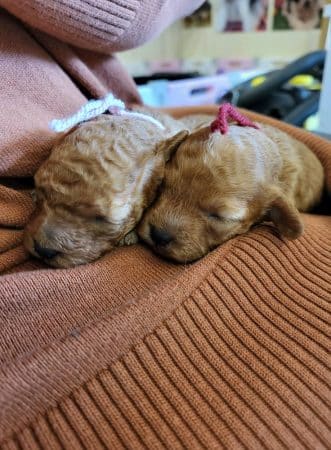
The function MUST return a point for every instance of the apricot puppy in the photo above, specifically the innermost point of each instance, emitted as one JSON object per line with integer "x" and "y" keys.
{"x": 217, "y": 186}
{"x": 92, "y": 190}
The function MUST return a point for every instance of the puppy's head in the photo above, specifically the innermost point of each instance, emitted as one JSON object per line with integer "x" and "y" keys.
{"x": 92, "y": 190}
{"x": 215, "y": 187}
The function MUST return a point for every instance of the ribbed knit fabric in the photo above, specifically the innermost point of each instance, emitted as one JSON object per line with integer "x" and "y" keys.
{"x": 134, "y": 352}
{"x": 101, "y": 25}
{"x": 231, "y": 352}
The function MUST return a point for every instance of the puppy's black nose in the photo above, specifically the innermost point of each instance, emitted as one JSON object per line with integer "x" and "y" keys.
{"x": 160, "y": 237}
{"x": 47, "y": 253}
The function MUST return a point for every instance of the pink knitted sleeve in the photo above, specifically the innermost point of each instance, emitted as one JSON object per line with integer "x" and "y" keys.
{"x": 101, "y": 25}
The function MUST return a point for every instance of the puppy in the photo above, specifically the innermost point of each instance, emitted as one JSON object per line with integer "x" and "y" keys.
{"x": 302, "y": 14}
{"x": 217, "y": 186}
{"x": 92, "y": 190}
{"x": 248, "y": 12}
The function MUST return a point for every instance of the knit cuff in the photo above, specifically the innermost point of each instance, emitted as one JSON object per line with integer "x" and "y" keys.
{"x": 101, "y": 25}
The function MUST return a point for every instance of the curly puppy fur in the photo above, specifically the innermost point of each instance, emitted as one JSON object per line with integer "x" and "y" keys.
{"x": 217, "y": 186}
{"x": 92, "y": 190}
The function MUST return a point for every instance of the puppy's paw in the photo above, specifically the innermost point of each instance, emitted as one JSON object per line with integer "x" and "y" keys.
{"x": 130, "y": 239}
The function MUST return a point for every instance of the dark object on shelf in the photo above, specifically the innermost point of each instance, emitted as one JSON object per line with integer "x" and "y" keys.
{"x": 277, "y": 97}
{"x": 169, "y": 76}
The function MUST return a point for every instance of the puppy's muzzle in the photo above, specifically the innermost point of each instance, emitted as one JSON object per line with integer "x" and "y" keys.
{"x": 160, "y": 237}
{"x": 45, "y": 253}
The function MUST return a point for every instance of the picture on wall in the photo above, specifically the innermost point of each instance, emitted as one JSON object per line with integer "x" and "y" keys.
{"x": 200, "y": 18}
{"x": 297, "y": 14}
{"x": 241, "y": 15}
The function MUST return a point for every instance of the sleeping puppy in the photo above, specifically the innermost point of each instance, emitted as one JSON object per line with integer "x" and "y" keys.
{"x": 217, "y": 186}
{"x": 92, "y": 190}
{"x": 248, "y": 12}
{"x": 302, "y": 14}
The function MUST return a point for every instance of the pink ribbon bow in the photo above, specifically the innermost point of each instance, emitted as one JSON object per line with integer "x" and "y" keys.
{"x": 226, "y": 112}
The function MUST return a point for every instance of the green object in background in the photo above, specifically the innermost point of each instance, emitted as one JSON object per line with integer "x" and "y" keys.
{"x": 280, "y": 22}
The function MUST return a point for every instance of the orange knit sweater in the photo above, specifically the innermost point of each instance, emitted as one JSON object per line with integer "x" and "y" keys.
{"x": 134, "y": 352}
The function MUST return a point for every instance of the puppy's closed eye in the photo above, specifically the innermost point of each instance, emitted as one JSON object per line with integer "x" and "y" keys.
{"x": 100, "y": 219}
{"x": 227, "y": 211}
{"x": 213, "y": 215}
{"x": 225, "y": 216}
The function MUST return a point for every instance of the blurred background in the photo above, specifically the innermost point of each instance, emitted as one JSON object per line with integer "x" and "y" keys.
{"x": 266, "y": 55}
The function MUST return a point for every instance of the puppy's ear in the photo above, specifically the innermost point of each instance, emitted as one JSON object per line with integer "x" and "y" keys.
{"x": 285, "y": 217}
{"x": 170, "y": 145}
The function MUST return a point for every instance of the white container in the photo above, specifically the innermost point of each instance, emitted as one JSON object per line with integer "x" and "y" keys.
{"x": 193, "y": 91}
